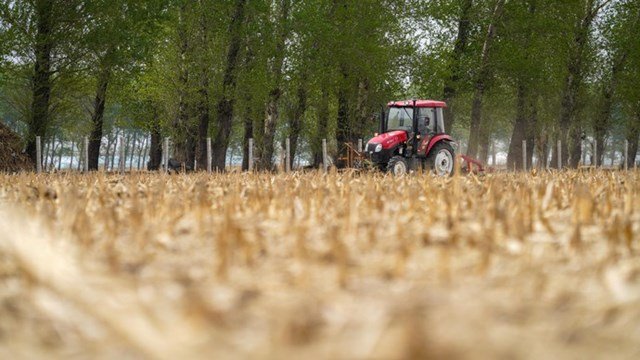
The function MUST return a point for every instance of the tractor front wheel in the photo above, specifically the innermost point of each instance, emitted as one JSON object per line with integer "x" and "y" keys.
{"x": 441, "y": 159}
{"x": 398, "y": 166}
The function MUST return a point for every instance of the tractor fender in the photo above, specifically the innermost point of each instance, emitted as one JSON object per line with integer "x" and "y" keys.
{"x": 436, "y": 139}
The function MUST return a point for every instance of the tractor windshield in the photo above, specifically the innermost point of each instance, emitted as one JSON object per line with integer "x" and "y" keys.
{"x": 400, "y": 118}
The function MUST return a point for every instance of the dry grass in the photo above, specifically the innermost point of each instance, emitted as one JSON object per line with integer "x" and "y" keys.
{"x": 320, "y": 266}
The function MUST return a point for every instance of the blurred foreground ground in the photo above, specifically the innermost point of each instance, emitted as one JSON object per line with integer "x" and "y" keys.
{"x": 334, "y": 266}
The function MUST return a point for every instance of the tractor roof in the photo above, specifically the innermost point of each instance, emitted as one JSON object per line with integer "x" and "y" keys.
{"x": 419, "y": 103}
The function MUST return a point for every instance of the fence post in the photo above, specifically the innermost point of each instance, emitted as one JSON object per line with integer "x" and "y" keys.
{"x": 209, "y": 154}
{"x": 595, "y": 153}
{"x": 86, "y": 154}
{"x": 325, "y": 165}
{"x": 359, "y": 145}
{"x": 250, "y": 166}
{"x": 524, "y": 155}
{"x": 165, "y": 155}
{"x": 38, "y": 155}
{"x": 287, "y": 146}
{"x": 559, "y": 154}
{"x": 626, "y": 155}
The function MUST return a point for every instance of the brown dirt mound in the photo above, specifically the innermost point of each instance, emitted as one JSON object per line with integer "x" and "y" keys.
{"x": 12, "y": 158}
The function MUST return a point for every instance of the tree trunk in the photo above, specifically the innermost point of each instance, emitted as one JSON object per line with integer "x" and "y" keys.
{"x": 60, "y": 154}
{"x": 248, "y": 121}
{"x": 531, "y": 129}
{"x": 295, "y": 123}
{"x": 322, "y": 127}
{"x": 183, "y": 132}
{"x": 202, "y": 108}
{"x": 248, "y": 134}
{"x": 73, "y": 144}
{"x": 54, "y": 148}
{"x": 523, "y": 129}
{"x": 115, "y": 150}
{"x": 362, "y": 114}
{"x": 456, "y": 65}
{"x": 265, "y": 144}
{"x": 142, "y": 150}
{"x": 344, "y": 126}
{"x": 45, "y": 153}
{"x": 132, "y": 149}
{"x": 272, "y": 111}
{"x": 97, "y": 119}
{"x": 105, "y": 165}
{"x": 39, "y": 120}
{"x": 155, "y": 150}
{"x": 570, "y": 132}
{"x": 81, "y": 158}
{"x": 575, "y": 151}
{"x": 542, "y": 147}
{"x": 225, "y": 104}
{"x": 601, "y": 123}
{"x": 479, "y": 132}
{"x": 632, "y": 135}
{"x": 514, "y": 156}
{"x": 203, "y": 122}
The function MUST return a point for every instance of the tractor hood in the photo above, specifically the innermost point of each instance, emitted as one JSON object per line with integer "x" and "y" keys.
{"x": 390, "y": 139}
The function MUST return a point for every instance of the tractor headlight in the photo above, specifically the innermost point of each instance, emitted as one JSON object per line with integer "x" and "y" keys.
{"x": 378, "y": 148}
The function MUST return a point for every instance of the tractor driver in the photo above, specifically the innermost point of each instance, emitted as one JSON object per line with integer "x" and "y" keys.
{"x": 424, "y": 126}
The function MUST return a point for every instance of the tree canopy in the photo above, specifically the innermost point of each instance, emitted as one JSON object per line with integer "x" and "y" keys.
{"x": 234, "y": 70}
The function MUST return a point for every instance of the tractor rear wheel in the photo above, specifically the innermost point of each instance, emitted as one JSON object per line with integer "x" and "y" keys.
{"x": 441, "y": 159}
{"x": 398, "y": 166}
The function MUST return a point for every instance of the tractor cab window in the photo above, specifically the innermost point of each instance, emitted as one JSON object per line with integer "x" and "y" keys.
{"x": 400, "y": 118}
{"x": 439, "y": 120}
{"x": 426, "y": 121}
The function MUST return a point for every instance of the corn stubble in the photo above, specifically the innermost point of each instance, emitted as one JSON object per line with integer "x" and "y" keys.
{"x": 320, "y": 266}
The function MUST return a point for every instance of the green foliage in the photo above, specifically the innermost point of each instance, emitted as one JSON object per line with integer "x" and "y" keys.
{"x": 165, "y": 55}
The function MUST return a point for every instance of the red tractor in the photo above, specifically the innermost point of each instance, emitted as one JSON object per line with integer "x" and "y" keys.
{"x": 412, "y": 136}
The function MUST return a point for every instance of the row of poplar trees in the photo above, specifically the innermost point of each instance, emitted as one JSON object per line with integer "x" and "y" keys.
{"x": 231, "y": 70}
{"x": 540, "y": 71}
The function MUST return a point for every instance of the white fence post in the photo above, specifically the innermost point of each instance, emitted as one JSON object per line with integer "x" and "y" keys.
{"x": 38, "y": 154}
{"x": 324, "y": 155}
{"x": 524, "y": 155}
{"x": 287, "y": 146}
{"x": 359, "y": 145}
{"x": 209, "y": 155}
{"x": 250, "y": 165}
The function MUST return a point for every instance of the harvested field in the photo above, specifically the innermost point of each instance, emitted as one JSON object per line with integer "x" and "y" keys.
{"x": 309, "y": 265}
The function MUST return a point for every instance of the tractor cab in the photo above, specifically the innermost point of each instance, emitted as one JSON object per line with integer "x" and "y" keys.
{"x": 409, "y": 133}
{"x": 400, "y": 116}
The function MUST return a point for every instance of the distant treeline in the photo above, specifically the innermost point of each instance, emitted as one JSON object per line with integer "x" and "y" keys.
{"x": 534, "y": 70}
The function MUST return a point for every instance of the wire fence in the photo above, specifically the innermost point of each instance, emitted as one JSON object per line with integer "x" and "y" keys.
{"x": 130, "y": 151}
